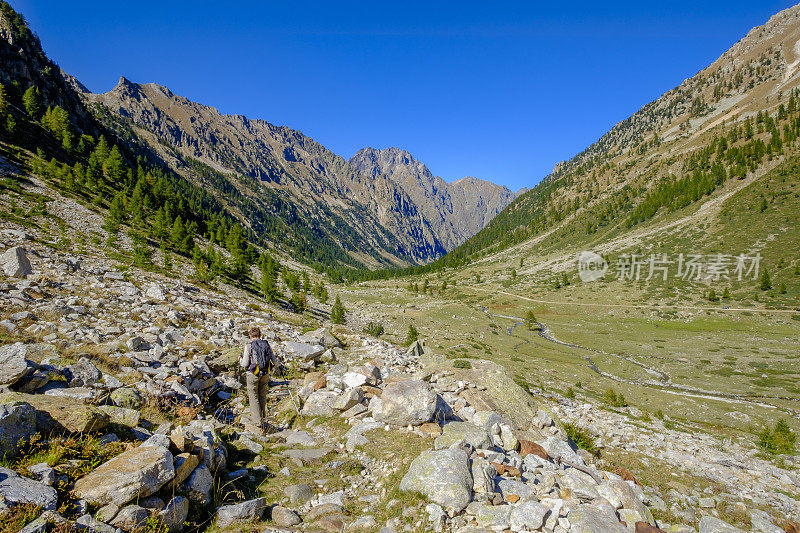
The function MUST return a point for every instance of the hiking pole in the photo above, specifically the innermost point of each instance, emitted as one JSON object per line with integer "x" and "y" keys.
{"x": 288, "y": 389}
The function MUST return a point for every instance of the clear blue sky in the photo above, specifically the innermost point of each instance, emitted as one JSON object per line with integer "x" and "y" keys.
{"x": 496, "y": 90}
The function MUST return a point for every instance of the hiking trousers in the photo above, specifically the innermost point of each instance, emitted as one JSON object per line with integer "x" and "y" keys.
{"x": 257, "y": 389}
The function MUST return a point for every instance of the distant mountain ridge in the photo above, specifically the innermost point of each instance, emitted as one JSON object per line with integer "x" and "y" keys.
{"x": 455, "y": 211}
{"x": 391, "y": 201}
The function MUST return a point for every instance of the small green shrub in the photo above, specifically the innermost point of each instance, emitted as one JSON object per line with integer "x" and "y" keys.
{"x": 570, "y": 394}
{"x": 582, "y": 438}
{"x": 781, "y": 440}
{"x": 614, "y": 399}
{"x": 374, "y": 329}
{"x": 461, "y": 363}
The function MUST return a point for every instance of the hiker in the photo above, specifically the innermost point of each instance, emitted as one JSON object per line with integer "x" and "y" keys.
{"x": 258, "y": 360}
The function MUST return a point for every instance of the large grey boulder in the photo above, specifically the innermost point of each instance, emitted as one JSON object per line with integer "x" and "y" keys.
{"x": 591, "y": 519}
{"x": 139, "y": 472}
{"x": 403, "y": 403}
{"x": 60, "y": 413}
{"x": 13, "y": 365}
{"x": 455, "y": 431}
{"x": 240, "y": 512}
{"x": 17, "y": 425}
{"x": 15, "y": 489}
{"x": 443, "y": 476}
{"x": 15, "y": 262}
{"x": 320, "y": 403}
{"x": 712, "y": 524}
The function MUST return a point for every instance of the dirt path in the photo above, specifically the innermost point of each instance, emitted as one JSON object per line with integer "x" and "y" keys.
{"x": 662, "y": 381}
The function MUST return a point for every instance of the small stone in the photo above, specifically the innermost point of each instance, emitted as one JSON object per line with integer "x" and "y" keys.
{"x": 284, "y": 517}
{"x": 299, "y": 494}
{"x": 174, "y": 514}
{"x": 249, "y": 510}
{"x": 131, "y": 518}
{"x": 43, "y": 473}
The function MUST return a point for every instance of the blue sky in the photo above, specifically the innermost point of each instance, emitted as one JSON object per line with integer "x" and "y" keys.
{"x": 496, "y": 90}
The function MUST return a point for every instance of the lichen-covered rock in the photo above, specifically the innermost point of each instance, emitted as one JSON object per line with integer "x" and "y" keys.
{"x": 529, "y": 515}
{"x": 712, "y": 524}
{"x": 455, "y": 431}
{"x": 443, "y": 476}
{"x": 501, "y": 394}
{"x": 495, "y": 517}
{"x": 403, "y": 403}
{"x": 17, "y": 425}
{"x": 58, "y": 413}
{"x": 121, "y": 415}
{"x": 135, "y": 473}
{"x": 284, "y": 517}
{"x": 128, "y": 398}
{"x": 131, "y": 518}
{"x": 591, "y": 519}
{"x": 83, "y": 374}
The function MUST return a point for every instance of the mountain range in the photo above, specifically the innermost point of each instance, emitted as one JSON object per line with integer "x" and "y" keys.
{"x": 396, "y": 212}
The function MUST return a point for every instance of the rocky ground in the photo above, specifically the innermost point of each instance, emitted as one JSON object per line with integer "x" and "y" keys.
{"x": 123, "y": 409}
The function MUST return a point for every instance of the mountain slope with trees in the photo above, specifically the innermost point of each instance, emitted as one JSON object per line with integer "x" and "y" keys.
{"x": 720, "y": 131}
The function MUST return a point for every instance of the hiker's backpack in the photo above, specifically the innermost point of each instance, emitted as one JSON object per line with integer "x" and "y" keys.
{"x": 260, "y": 357}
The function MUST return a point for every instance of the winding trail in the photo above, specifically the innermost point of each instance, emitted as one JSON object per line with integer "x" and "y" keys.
{"x": 661, "y": 381}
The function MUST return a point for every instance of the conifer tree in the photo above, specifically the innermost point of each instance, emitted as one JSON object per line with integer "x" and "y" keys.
{"x": 412, "y": 334}
{"x": 114, "y": 166}
{"x": 338, "y": 312}
{"x": 32, "y": 100}
{"x": 765, "y": 283}
{"x": 299, "y": 301}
